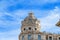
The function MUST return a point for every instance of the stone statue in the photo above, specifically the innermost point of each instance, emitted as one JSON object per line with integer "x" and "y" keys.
{"x": 58, "y": 23}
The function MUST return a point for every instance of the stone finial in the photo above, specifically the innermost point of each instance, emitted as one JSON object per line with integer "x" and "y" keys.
{"x": 31, "y": 14}
{"x": 58, "y": 24}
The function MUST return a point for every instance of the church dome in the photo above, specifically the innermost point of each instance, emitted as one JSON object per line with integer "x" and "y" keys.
{"x": 30, "y": 23}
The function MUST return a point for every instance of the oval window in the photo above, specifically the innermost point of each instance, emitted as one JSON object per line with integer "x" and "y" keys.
{"x": 29, "y": 28}
{"x": 35, "y": 28}
{"x": 24, "y": 28}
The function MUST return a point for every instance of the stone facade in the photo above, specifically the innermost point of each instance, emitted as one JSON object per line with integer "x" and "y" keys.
{"x": 30, "y": 30}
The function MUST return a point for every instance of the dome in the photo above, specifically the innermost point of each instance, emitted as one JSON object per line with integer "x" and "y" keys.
{"x": 30, "y": 23}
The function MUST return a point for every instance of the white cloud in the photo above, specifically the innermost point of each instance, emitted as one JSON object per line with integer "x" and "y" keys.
{"x": 48, "y": 22}
{"x": 4, "y": 21}
{"x": 10, "y": 35}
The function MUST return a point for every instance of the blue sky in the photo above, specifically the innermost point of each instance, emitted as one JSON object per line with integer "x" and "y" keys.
{"x": 12, "y": 12}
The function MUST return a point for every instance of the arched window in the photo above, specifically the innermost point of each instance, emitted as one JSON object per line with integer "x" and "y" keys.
{"x": 50, "y": 37}
{"x": 39, "y": 37}
{"x": 22, "y": 37}
{"x": 29, "y": 37}
{"x": 59, "y": 38}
